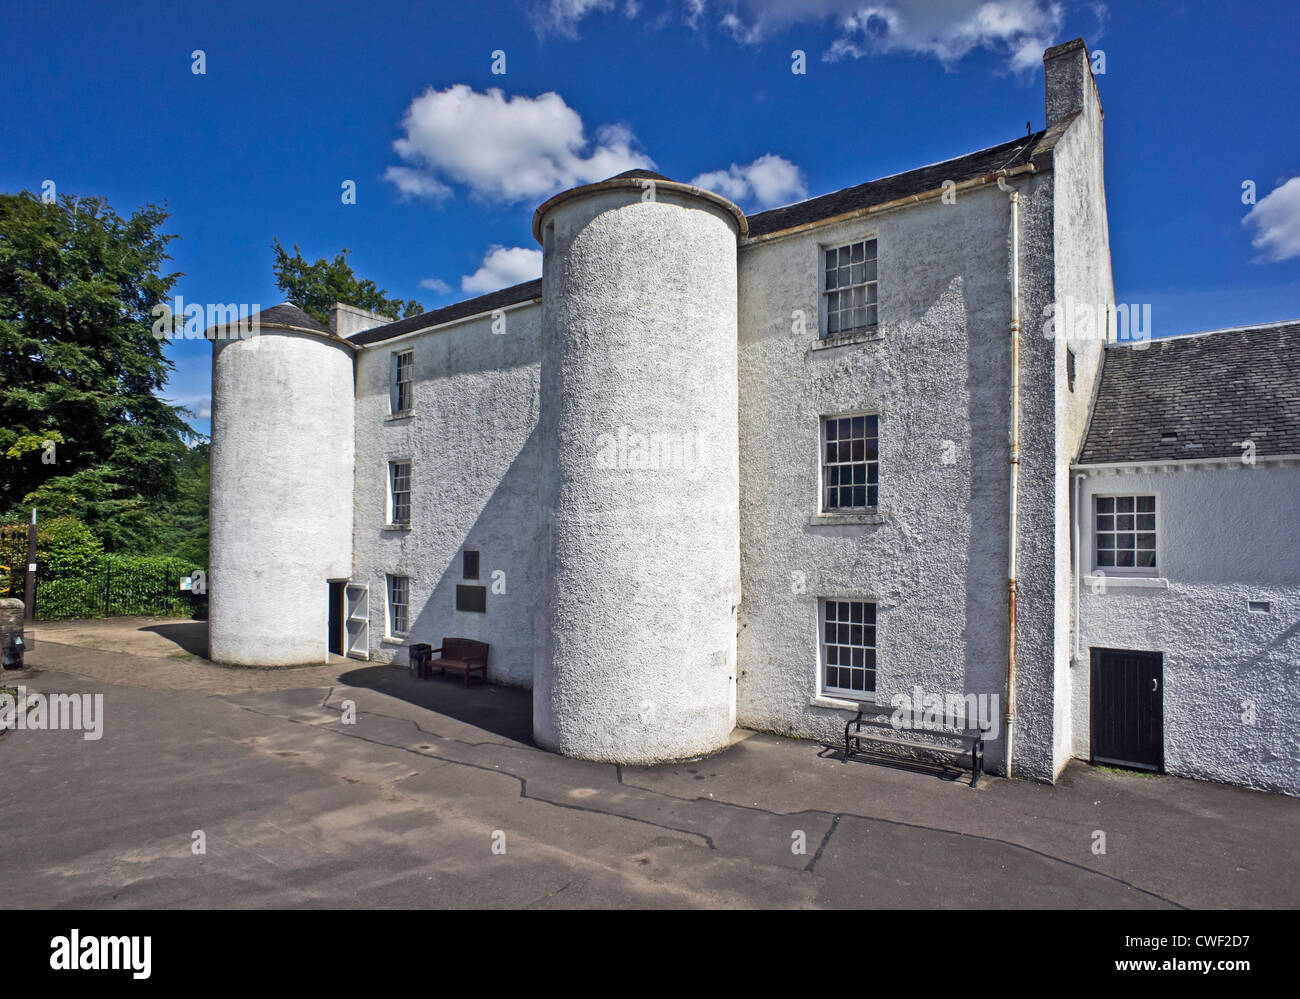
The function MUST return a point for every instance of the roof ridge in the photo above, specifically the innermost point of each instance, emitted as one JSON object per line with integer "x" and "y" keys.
{"x": 1191, "y": 336}
{"x": 890, "y": 176}
{"x": 950, "y": 159}
{"x": 856, "y": 198}
{"x": 514, "y": 294}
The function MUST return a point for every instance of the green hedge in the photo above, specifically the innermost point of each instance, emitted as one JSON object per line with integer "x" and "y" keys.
{"x": 136, "y": 585}
{"x": 69, "y": 599}
{"x": 66, "y": 548}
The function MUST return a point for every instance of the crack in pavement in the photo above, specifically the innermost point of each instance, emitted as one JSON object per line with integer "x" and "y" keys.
{"x": 833, "y": 817}
{"x": 811, "y": 866}
{"x": 494, "y": 769}
{"x": 618, "y": 777}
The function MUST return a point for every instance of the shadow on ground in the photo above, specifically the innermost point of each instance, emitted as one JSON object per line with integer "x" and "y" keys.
{"x": 936, "y": 768}
{"x": 191, "y": 636}
{"x": 504, "y": 711}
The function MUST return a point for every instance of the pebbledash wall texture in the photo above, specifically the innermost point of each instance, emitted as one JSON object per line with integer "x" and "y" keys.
{"x": 637, "y": 451}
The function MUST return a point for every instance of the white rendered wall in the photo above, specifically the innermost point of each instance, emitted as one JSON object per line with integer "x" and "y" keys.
{"x": 1231, "y": 691}
{"x": 639, "y": 353}
{"x": 1081, "y": 251}
{"x": 281, "y": 503}
{"x": 471, "y": 439}
{"x": 937, "y": 375}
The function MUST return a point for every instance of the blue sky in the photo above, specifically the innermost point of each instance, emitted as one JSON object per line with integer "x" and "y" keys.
{"x": 298, "y": 98}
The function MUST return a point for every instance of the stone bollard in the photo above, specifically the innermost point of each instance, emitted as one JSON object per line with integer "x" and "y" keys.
{"x": 11, "y": 633}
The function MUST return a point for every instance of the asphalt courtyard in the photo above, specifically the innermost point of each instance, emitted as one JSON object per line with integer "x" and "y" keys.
{"x": 433, "y": 796}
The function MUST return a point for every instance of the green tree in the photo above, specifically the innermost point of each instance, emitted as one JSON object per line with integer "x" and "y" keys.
{"x": 83, "y": 431}
{"x": 315, "y": 287}
{"x": 66, "y": 548}
{"x": 183, "y": 527}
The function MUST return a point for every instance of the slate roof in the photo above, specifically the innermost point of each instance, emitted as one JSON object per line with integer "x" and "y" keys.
{"x": 525, "y": 292}
{"x": 1198, "y": 397}
{"x": 640, "y": 175}
{"x": 288, "y": 314}
{"x": 927, "y": 178}
{"x": 900, "y": 185}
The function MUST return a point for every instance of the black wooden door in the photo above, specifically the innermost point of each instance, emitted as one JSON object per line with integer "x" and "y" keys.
{"x": 1128, "y": 722}
{"x": 336, "y": 619}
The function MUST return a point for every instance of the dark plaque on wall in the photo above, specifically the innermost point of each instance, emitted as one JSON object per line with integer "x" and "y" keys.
{"x": 471, "y": 598}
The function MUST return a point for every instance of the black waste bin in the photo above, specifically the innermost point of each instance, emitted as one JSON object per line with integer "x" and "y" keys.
{"x": 419, "y": 655}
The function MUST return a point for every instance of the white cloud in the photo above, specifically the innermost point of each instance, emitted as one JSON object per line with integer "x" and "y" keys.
{"x": 769, "y": 180}
{"x": 1276, "y": 219}
{"x": 415, "y": 184}
{"x": 502, "y": 267}
{"x": 561, "y": 17}
{"x": 947, "y": 29}
{"x": 950, "y": 29}
{"x": 745, "y": 32}
{"x": 199, "y": 405}
{"x": 436, "y": 285}
{"x": 504, "y": 149}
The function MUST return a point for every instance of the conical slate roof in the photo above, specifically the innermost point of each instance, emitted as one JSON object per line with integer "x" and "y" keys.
{"x": 288, "y": 314}
{"x": 641, "y": 175}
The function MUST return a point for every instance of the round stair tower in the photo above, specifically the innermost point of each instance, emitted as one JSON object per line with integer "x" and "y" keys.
{"x": 281, "y": 501}
{"x": 636, "y": 649}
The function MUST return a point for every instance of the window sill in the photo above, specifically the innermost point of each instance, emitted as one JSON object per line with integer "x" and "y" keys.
{"x": 390, "y": 640}
{"x": 396, "y": 527}
{"x": 847, "y": 339}
{"x": 842, "y": 702}
{"x": 866, "y": 517}
{"x": 1135, "y": 582}
{"x": 398, "y": 417}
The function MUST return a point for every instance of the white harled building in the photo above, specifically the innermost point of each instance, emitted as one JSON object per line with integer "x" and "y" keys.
{"x": 717, "y": 470}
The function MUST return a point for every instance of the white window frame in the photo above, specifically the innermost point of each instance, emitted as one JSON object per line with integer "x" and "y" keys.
{"x": 393, "y": 492}
{"x": 823, "y": 476}
{"x": 398, "y": 383}
{"x": 391, "y": 605}
{"x": 824, "y": 687}
{"x": 870, "y": 286}
{"x": 1094, "y": 532}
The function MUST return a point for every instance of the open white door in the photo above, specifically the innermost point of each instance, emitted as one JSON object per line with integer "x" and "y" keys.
{"x": 357, "y": 617}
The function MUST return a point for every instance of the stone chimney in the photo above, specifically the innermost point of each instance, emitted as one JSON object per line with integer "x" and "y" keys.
{"x": 1070, "y": 86}
{"x": 345, "y": 320}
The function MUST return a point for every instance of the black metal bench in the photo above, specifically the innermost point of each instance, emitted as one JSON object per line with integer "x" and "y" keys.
{"x": 871, "y": 718}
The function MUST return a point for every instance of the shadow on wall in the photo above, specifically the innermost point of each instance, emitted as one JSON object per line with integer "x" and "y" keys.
{"x": 503, "y": 711}
{"x": 988, "y": 462}
{"x": 505, "y": 534}
{"x": 1268, "y": 653}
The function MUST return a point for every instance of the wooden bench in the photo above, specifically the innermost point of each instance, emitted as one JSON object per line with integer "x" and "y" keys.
{"x": 872, "y": 722}
{"x": 460, "y": 655}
